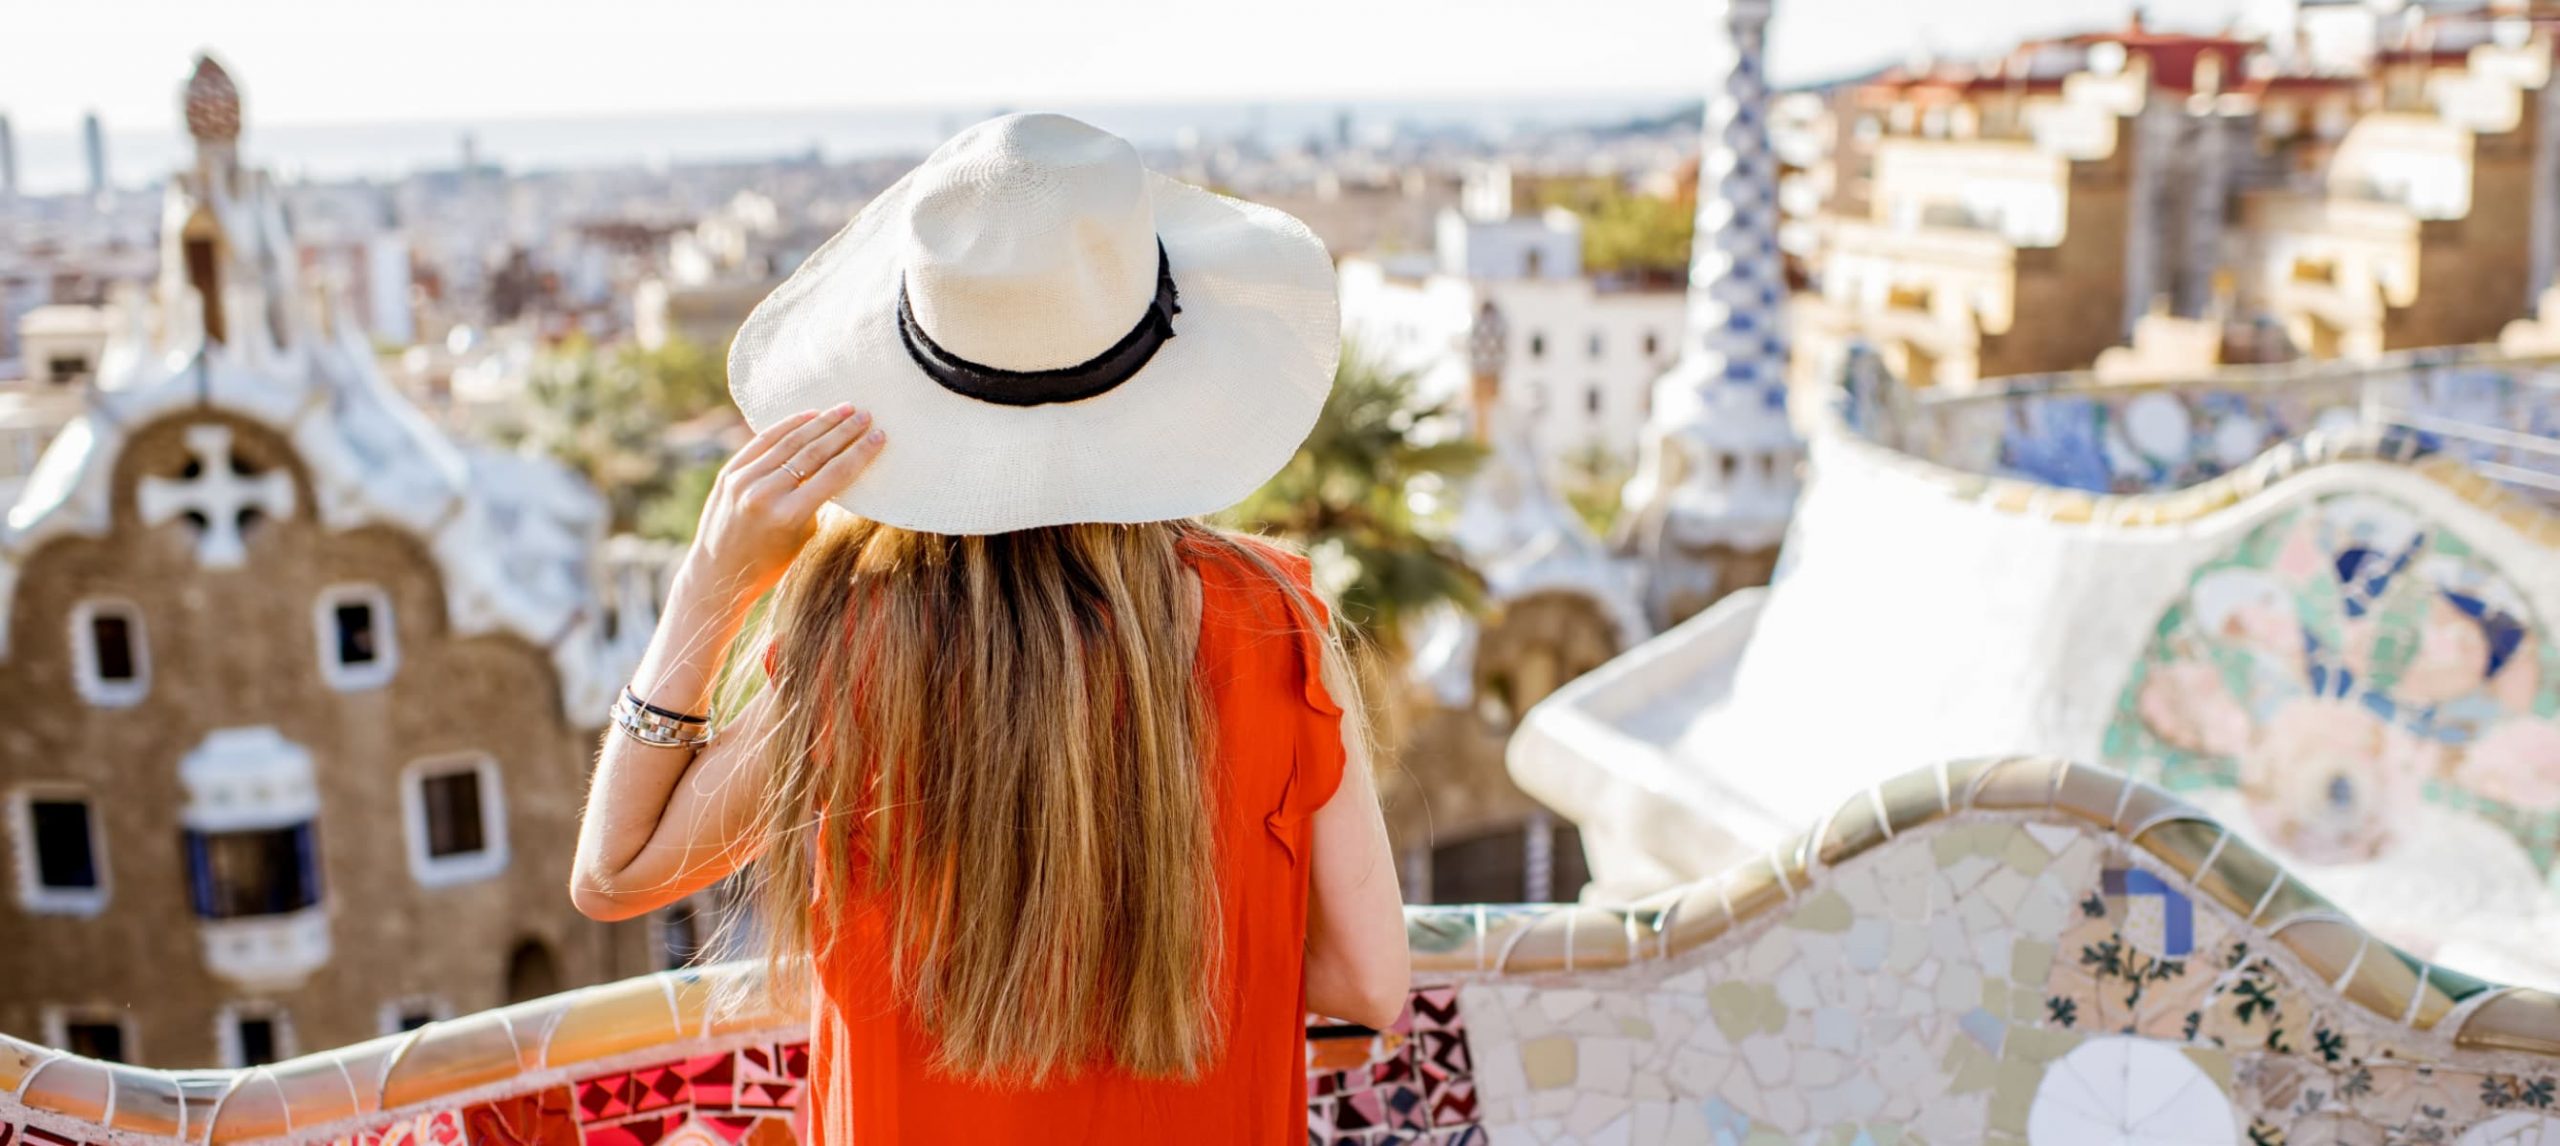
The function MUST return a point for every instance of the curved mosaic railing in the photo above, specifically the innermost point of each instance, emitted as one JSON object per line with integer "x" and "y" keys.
{"x": 2003, "y": 950}
{"x": 2017, "y": 447}
{"x": 2076, "y": 432}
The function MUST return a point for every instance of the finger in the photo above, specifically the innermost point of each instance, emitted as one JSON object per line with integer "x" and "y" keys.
{"x": 787, "y": 441}
{"x": 822, "y": 449}
{"x": 762, "y": 444}
{"x": 840, "y": 471}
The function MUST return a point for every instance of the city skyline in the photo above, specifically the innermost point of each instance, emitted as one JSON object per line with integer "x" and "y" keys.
{"x": 478, "y": 61}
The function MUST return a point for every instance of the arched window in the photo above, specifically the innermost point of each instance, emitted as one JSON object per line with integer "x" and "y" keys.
{"x": 532, "y": 971}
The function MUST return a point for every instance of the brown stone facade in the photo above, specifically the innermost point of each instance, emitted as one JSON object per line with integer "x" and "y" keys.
{"x": 2475, "y": 271}
{"x": 241, "y": 648}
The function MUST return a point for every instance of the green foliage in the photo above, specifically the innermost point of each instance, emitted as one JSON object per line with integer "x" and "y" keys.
{"x": 1349, "y": 496}
{"x": 671, "y": 515}
{"x": 1638, "y": 234}
{"x": 607, "y": 411}
{"x": 1627, "y": 233}
{"x": 1594, "y": 479}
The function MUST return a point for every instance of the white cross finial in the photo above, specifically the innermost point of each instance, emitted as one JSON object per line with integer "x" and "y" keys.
{"x": 218, "y": 496}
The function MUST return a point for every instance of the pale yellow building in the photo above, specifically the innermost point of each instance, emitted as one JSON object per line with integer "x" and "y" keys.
{"x": 2024, "y": 216}
{"x": 2430, "y": 222}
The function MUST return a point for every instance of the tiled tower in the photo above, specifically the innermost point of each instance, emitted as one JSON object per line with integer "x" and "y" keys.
{"x": 1717, "y": 480}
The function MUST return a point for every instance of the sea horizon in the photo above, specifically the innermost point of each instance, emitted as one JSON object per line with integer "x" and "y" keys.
{"x": 52, "y": 162}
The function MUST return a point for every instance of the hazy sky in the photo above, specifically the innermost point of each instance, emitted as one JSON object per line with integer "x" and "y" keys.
{"x": 370, "y": 60}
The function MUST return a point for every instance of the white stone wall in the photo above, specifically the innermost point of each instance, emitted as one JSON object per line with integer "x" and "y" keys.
{"x": 1909, "y": 626}
{"x": 1420, "y": 324}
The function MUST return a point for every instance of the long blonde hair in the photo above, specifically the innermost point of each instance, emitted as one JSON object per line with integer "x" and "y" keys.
{"x": 1010, "y": 732}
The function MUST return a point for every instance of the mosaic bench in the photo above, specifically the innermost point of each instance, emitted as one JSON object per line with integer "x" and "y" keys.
{"x": 1992, "y": 951}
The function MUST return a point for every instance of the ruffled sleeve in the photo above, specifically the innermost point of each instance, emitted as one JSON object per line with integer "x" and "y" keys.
{"x": 1317, "y": 752}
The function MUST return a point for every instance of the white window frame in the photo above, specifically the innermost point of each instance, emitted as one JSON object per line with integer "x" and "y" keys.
{"x": 226, "y": 1031}
{"x": 324, "y": 629}
{"x": 84, "y": 654}
{"x": 435, "y": 1007}
{"x": 34, "y": 896}
{"x": 447, "y": 871}
{"x": 58, "y": 1018}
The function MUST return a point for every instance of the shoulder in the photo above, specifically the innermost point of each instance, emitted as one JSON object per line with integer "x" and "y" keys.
{"x": 1260, "y": 568}
{"x": 1265, "y": 589}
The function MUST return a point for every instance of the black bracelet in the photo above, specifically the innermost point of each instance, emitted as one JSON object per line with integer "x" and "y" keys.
{"x": 669, "y": 713}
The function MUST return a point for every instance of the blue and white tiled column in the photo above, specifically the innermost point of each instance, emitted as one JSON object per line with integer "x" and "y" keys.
{"x": 1716, "y": 480}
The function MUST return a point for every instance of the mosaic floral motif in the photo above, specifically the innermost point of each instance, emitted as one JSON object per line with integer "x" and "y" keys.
{"x": 1410, "y": 1083}
{"x": 2128, "y": 1092}
{"x": 2346, "y": 661}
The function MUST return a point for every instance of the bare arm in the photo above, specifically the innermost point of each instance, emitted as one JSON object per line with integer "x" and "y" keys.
{"x": 1359, "y": 966}
{"x": 661, "y": 823}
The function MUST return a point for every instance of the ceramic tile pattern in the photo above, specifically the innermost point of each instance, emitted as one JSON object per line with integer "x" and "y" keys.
{"x": 1989, "y": 976}
{"x": 2343, "y": 663}
{"x": 2062, "y": 431}
{"x": 1925, "y": 992}
{"x": 746, "y": 1096}
{"x": 1411, "y": 1083}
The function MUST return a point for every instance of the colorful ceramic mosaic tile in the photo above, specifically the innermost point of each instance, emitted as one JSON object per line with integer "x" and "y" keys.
{"x": 2062, "y": 431}
{"x": 432, "y": 1128}
{"x": 745, "y": 1096}
{"x": 2344, "y": 665}
{"x": 1410, "y": 1083}
{"x": 1982, "y": 976}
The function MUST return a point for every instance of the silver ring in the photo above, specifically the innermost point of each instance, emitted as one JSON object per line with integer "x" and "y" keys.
{"x": 797, "y": 478}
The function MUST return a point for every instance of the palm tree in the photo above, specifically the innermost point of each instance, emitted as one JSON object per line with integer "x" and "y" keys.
{"x": 1354, "y": 496}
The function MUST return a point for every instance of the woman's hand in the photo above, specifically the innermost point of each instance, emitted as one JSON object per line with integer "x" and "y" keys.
{"x": 647, "y": 839}
{"x": 764, "y": 505}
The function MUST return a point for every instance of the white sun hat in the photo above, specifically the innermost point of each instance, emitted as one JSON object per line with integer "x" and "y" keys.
{"x": 1050, "y": 333}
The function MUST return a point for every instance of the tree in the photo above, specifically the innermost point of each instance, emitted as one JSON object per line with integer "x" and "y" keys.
{"x": 1625, "y": 233}
{"x": 1640, "y": 235}
{"x": 640, "y": 424}
{"x": 1593, "y": 480}
{"x": 1354, "y": 496}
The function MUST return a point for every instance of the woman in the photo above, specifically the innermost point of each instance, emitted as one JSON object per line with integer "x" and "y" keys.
{"x": 1051, "y": 790}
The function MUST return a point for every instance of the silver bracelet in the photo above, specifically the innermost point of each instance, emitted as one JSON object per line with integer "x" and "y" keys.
{"x": 653, "y": 727}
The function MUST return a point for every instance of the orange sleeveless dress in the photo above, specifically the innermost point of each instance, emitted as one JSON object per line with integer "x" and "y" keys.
{"x": 1279, "y": 758}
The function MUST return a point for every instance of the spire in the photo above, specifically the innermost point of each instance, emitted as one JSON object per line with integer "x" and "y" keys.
{"x": 1716, "y": 477}
{"x": 212, "y": 104}
{"x": 1736, "y": 281}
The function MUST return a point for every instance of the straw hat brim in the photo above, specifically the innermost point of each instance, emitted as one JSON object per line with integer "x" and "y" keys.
{"x": 1220, "y": 407}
